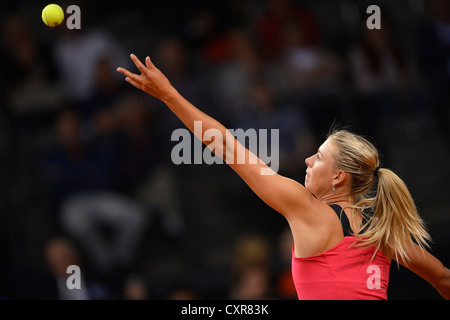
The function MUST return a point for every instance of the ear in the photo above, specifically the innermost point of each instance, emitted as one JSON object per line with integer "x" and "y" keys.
{"x": 340, "y": 177}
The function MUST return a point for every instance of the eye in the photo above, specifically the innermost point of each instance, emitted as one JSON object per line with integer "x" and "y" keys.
{"x": 318, "y": 157}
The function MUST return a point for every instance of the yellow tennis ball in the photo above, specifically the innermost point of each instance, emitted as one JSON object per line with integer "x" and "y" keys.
{"x": 52, "y": 15}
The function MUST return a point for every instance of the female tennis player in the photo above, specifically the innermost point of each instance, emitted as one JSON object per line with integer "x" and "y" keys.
{"x": 339, "y": 252}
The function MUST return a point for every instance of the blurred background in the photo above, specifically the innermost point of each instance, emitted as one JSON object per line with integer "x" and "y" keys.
{"x": 86, "y": 176}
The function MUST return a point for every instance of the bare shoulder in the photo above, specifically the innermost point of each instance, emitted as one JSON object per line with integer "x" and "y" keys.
{"x": 316, "y": 231}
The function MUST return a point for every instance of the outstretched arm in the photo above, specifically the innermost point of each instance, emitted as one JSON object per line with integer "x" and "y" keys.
{"x": 283, "y": 194}
{"x": 425, "y": 265}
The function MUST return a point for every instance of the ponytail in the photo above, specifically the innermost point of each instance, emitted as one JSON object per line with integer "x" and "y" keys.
{"x": 395, "y": 220}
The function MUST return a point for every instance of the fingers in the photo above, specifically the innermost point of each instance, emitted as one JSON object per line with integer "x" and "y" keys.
{"x": 138, "y": 63}
{"x": 133, "y": 78}
{"x": 149, "y": 63}
{"x": 133, "y": 82}
{"x": 127, "y": 73}
{"x": 130, "y": 77}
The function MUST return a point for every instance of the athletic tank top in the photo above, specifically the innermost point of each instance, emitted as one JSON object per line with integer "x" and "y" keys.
{"x": 344, "y": 272}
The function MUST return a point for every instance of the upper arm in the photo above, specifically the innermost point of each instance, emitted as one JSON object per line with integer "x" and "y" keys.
{"x": 283, "y": 194}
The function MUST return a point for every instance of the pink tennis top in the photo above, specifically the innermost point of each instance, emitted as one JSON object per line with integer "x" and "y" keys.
{"x": 344, "y": 272}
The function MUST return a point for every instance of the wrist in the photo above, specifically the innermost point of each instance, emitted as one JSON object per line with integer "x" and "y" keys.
{"x": 170, "y": 96}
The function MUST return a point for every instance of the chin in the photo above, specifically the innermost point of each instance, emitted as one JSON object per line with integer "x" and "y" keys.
{"x": 306, "y": 184}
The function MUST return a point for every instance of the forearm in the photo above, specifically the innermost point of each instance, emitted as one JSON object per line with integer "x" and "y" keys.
{"x": 425, "y": 265}
{"x": 214, "y": 135}
{"x": 189, "y": 115}
{"x": 443, "y": 284}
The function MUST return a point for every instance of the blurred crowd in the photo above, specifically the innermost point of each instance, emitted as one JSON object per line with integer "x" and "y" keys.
{"x": 86, "y": 173}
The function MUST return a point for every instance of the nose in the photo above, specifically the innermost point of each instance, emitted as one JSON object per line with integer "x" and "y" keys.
{"x": 308, "y": 161}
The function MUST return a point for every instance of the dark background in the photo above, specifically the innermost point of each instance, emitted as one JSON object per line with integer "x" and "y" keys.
{"x": 297, "y": 66}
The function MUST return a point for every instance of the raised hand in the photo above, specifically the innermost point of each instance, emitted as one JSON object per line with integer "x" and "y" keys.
{"x": 151, "y": 80}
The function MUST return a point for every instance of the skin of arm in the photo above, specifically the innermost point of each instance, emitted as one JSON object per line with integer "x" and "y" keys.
{"x": 425, "y": 265}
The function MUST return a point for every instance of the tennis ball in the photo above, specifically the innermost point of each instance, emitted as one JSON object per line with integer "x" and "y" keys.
{"x": 52, "y": 15}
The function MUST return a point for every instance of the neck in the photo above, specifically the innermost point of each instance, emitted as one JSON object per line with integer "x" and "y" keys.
{"x": 337, "y": 199}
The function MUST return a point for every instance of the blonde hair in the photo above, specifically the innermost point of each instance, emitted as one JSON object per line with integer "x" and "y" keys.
{"x": 395, "y": 220}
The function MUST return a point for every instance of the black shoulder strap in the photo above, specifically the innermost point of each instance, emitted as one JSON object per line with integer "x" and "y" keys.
{"x": 343, "y": 218}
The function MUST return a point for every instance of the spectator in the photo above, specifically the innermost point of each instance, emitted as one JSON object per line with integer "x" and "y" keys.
{"x": 73, "y": 164}
{"x": 279, "y": 16}
{"x": 251, "y": 276}
{"x": 285, "y": 288}
{"x": 377, "y": 63}
{"x": 434, "y": 60}
{"x": 138, "y": 150}
{"x": 183, "y": 293}
{"x": 308, "y": 66}
{"x": 234, "y": 76}
{"x": 29, "y": 74}
{"x": 381, "y": 73}
{"x": 109, "y": 227}
{"x": 107, "y": 89}
{"x": 135, "y": 288}
{"x": 262, "y": 109}
{"x": 60, "y": 253}
{"x": 79, "y": 54}
{"x": 252, "y": 283}
{"x": 79, "y": 179}
{"x": 138, "y": 169}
